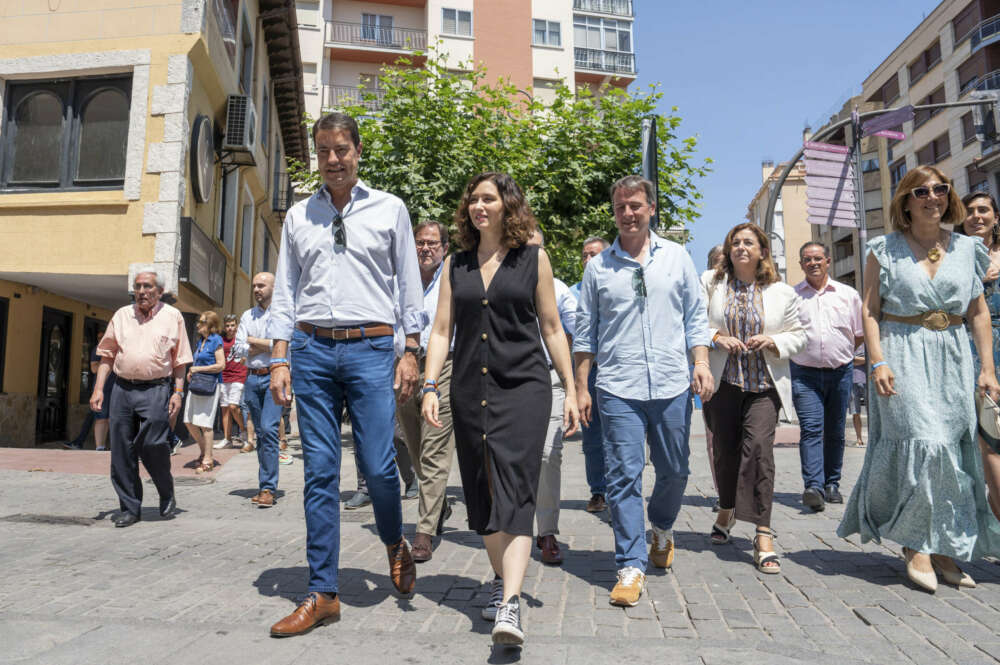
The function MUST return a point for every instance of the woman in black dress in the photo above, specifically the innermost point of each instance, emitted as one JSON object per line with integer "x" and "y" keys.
{"x": 500, "y": 302}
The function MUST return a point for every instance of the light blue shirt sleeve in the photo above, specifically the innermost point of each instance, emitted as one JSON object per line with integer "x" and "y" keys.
{"x": 695, "y": 309}
{"x": 586, "y": 319}
{"x": 241, "y": 347}
{"x": 412, "y": 315}
{"x": 286, "y": 282}
{"x": 566, "y": 304}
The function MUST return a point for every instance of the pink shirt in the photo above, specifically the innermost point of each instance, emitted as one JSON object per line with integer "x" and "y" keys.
{"x": 146, "y": 348}
{"x": 832, "y": 319}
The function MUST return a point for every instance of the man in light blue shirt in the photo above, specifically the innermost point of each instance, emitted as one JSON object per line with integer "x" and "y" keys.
{"x": 593, "y": 434}
{"x": 640, "y": 313}
{"x": 253, "y": 344}
{"x": 345, "y": 253}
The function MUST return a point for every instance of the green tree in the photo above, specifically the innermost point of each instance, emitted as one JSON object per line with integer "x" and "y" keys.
{"x": 436, "y": 127}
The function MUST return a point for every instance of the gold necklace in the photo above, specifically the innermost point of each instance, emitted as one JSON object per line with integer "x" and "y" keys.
{"x": 934, "y": 253}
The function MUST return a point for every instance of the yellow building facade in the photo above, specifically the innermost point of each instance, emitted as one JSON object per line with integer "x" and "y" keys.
{"x": 132, "y": 138}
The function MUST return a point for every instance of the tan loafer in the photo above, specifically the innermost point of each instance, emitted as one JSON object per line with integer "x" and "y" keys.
{"x": 317, "y": 609}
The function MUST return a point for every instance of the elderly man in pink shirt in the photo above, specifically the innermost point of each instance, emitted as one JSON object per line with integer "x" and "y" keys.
{"x": 821, "y": 374}
{"x": 147, "y": 346}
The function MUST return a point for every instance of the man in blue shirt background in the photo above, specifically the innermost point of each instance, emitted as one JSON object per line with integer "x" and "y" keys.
{"x": 639, "y": 314}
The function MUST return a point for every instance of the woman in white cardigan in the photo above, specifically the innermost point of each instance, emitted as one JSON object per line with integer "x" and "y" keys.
{"x": 754, "y": 321}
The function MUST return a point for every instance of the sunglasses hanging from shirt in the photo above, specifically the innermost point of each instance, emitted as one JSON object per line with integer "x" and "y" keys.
{"x": 339, "y": 233}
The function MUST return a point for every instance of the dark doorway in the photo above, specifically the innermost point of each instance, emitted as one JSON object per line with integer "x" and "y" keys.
{"x": 91, "y": 328}
{"x": 53, "y": 375}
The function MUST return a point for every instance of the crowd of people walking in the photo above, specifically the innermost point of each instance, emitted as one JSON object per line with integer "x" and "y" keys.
{"x": 471, "y": 355}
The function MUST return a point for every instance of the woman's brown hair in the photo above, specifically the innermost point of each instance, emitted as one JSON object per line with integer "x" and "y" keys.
{"x": 767, "y": 273}
{"x": 213, "y": 324}
{"x": 518, "y": 221}
{"x": 899, "y": 219}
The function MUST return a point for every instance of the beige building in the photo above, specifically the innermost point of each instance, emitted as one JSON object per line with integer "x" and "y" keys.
{"x": 533, "y": 42}
{"x": 132, "y": 136}
{"x": 787, "y": 229}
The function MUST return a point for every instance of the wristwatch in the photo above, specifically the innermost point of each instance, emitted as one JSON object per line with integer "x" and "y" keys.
{"x": 415, "y": 350}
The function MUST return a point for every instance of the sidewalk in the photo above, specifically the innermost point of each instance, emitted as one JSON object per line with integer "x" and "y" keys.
{"x": 205, "y": 586}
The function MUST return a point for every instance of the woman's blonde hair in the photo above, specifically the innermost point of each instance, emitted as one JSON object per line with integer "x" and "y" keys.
{"x": 213, "y": 324}
{"x": 899, "y": 219}
{"x": 767, "y": 273}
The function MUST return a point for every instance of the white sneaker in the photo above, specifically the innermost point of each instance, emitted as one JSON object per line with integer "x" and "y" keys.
{"x": 285, "y": 458}
{"x": 496, "y": 600}
{"x": 219, "y": 445}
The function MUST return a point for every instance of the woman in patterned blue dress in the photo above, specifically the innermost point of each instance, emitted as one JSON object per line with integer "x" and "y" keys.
{"x": 922, "y": 481}
{"x": 981, "y": 221}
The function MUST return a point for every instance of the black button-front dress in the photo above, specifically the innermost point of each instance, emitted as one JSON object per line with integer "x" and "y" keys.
{"x": 501, "y": 391}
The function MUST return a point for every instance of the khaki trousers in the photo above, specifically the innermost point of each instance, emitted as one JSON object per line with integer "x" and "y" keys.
{"x": 431, "y": 449}
{"x": 550, "y": 479}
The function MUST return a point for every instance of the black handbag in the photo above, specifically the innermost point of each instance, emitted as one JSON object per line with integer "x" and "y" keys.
{"x": 202, "y": 383}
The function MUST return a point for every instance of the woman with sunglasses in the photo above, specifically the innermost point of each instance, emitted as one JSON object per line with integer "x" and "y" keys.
{"x": 500, "y": 302}
{"x": 922, "y": 481}
{"x": 754, "y": 322}
{"x": 982, "y": 220}
{"x": 199, "y": 408}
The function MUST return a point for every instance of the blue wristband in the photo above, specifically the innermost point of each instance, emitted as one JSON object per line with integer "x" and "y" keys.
{"x": 279, "y": 360}
{"x": 879, "y": 364}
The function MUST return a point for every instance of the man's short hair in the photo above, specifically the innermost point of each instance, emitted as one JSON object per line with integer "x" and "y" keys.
{"x": 429, "y": 224}
{"x": 157, "y": 278}
{"x": 338, "y": 121}
{"x": 229, "y": 318}
{"x": 604, "y": 243}
{"x": 814, "y": 243}
{"x": 631, "y": 183}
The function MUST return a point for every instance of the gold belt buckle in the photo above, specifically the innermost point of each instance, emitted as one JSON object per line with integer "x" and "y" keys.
{"x": 936, "y": 320}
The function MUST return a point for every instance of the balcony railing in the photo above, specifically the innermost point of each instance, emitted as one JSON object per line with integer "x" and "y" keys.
{"x": 374, "y": 36}
{"x": 339, "y": 96}
{"x": 986, "y": 32}
{"x": 615, "y": 7}
{"x": 989, "y": 81}
{"x": 605, "y": 61}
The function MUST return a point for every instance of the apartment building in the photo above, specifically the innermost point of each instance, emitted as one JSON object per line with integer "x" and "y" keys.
{"x": 787, "y": 228}
{"x": 132, "y": 136}
{"x": 534, "y": 43}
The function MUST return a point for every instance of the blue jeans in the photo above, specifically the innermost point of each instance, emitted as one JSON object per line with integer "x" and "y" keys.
{"x": 593, "y": 441}
{"x": 264, "y": 413}
{"x": 820, "y": 397}
{"x": 628, "y": 423}
{"x": 325, "y": 373}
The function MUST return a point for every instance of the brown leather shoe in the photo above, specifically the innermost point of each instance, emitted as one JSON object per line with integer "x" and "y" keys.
{"x": 265, "y": 499}
{"x": 316, "y": 610}
{"x": 401, "y": 567}
{"x": 248, "y": 447}
{"x": 550, "y": 549}
{"x": 596, "y": 504}
{"x": 255, "y": 498}
{"x": 423, "y": 549}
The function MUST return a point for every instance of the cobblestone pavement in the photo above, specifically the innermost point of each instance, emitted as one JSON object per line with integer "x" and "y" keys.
{"x": 205, "y": 586}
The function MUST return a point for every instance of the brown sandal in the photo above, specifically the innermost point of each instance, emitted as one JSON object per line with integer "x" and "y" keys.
{"x": 205, "y": 467}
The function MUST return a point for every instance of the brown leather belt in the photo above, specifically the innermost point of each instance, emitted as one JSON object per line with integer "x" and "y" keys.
{"x": 374, "y": 330}
{"x": 259, "y": 371}
{"x": 933, "y": 320}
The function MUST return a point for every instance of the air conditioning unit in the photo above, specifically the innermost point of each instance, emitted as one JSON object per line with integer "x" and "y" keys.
{"x": 241, "y": 124}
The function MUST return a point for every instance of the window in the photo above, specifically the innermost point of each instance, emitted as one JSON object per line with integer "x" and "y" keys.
{"x": 246, "y": 57}
{"x": 376, "y": 28}
{"x": 309, "y": 75}
{"x": 896, "y": 172}
{"x": 924, "y": 62}
{"x": 66, "y": 134}
{"x": 869, "y": 165}
{"x": 603, "y": 34}
{"x": 971, "y": 71}
{"x": 456, "y": 22}
{"x": 968, "y": 129}
{"x": 922, "y": 116}
{"x": 225, "y": 19}
{"x": 307, "y": 13}
{"x": 265, "y": 117}
{"x": 978, "y": 181}
{"x": 246, "y": 238}
{"x": 935, "y": 151}
{"x": 965, "y": 21}
{"x": 4, "y": 307}
{"x": 227, "y": 210}
{"x": 889, "y": 92}
{"x": 546, "y": 33}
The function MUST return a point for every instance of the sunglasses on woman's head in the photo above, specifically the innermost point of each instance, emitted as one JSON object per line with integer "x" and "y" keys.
{"x": 940, "y": 190}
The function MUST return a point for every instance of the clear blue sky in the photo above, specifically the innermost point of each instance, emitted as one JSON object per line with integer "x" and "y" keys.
{"x": 747, "y": 77}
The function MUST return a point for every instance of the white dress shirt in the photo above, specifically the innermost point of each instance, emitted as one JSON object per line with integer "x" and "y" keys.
{"x": 253, "y": 323}
{"x": 331, "y": 286}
